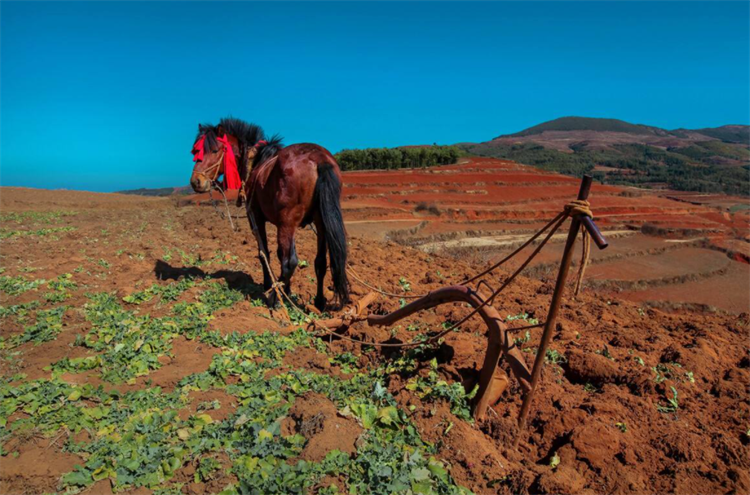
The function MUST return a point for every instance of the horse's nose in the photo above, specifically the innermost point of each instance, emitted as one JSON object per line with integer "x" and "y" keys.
{"x": 196, "y": 183}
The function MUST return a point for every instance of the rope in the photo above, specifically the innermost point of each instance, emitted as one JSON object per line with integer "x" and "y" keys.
{"x": 574, "y": 208}
{"x": 581, "y": 207}
{"x": 389, "y": 294}
{"x": 585, "y": 252}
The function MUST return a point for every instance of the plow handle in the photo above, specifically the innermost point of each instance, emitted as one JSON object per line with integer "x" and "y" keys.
{"x": 587, "y": 222}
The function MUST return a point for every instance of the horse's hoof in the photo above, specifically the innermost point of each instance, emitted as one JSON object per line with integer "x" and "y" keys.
{"x": 320, "y": 303}
{"x": 273, "y": 301}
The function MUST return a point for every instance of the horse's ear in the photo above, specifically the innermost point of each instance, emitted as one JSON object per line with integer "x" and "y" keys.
{"x": 220, "y": 130}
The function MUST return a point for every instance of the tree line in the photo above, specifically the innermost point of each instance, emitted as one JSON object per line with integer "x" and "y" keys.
{"x": 394, "y": 158}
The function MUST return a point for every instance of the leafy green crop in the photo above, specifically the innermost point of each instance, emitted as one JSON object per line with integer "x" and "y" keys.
{"x": 139, "y": 439}
{"x": 166, "y": 293}
{"x": 14, "y": 286}
{"x": 18, "y": 310}
{"x": 48, "y": 325}
{"x": 6, "y": 234}
{"x": 35, "y": 216}
{"x": 432, "y": 388}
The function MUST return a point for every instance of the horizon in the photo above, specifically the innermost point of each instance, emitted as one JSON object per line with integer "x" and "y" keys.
{"x": 107, "y": 96}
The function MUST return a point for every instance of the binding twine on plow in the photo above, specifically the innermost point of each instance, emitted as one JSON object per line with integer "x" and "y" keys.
{"x": 499, "y": 344}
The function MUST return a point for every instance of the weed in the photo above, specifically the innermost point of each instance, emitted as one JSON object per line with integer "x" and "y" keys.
{"x": 673, "y": 404}
{"x": 555, "y": 357}
{"x": 405, "y": 285}
{"x": 605, "y": 352}
{"x": 524, "y": 317}
{"x": 522, "y": 340}
{"x": 7, "y": 234}
{"x": 672, "y": 371}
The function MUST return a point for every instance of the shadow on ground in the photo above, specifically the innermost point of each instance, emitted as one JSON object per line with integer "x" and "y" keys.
{"x": 236, "y": 280}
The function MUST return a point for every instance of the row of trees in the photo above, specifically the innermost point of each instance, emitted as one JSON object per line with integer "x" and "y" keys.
{"x": 394, "y": 158}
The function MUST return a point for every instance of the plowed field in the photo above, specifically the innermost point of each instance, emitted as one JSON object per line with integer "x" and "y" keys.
{"x": 138, "y": 357}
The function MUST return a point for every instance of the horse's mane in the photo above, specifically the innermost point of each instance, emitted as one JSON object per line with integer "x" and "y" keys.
{"x": 247, "y": 136}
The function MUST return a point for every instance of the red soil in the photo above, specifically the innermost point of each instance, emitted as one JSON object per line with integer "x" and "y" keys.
{"x": 596, "y": 413}
{"x": 486, "y": 197}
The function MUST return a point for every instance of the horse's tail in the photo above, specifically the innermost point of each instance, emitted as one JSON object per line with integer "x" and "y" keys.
{"x": 328, "y": 194}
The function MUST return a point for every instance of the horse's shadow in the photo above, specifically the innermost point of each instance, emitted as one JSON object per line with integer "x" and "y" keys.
{"x": 239, "y": 281}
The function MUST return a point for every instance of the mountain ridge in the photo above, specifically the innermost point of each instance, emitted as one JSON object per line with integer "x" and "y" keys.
{"x": 734, "y": 133}
{"x": 708, "y": 160}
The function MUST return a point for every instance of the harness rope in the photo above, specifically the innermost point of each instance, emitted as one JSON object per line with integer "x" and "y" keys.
{"x": 574, "y": 208}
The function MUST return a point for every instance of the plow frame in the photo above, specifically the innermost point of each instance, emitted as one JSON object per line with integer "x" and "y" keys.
{"x": 499, "y": 343}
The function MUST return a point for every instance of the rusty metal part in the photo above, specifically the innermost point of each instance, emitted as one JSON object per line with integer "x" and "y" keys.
{"x": 549, "y": 325}
{"x": 498, "y": 385}
{"x": 497, "y": 346}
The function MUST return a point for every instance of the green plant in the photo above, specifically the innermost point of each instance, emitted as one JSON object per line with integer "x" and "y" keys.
{"x": 206, "y": 468}
{"x": 7, "y": 234}
{"x": 18, "y": 310}
{"x": 555, "y": 357}
{"x": 605, "y": 352}
{"x": 432, "y": 387}
{"x": 522, "y": 340}
{"x": 48, "y": 325}
{"x": 524, "y": 317}
{"x": 673, "y": 404}
{"x": 405, "y": 285}
{"x": 14, "y": 286}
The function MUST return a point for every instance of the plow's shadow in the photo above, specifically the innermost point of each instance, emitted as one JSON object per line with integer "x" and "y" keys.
{"x": 239, "y": 281}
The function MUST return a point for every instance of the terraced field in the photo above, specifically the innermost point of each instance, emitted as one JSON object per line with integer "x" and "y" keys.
{"x": 482, "y": 209}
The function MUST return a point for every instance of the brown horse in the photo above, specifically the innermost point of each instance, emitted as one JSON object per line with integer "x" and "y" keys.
{"x": 290, "y": 187}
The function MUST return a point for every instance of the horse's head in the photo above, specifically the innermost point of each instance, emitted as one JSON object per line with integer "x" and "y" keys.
{"x": 208, "y": 155}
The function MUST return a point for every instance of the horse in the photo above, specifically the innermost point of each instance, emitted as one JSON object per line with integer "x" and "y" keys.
{"x": 289, "y": 186}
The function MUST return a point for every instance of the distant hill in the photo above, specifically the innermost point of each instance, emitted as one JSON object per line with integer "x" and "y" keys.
{"x": 728, "y": 133}
{"x": 161, "y": 191}
{"x": 618, "y": 152}
{"x": 588, "y": 124}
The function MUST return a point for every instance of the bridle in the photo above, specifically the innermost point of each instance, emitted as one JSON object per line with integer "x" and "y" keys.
{"x": 213, "y": 168}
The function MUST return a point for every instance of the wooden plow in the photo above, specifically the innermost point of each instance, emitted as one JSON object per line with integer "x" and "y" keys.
{"x": 499, "y": 343}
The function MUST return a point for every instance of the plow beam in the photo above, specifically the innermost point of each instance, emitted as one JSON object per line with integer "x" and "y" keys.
{"x": 498, "y": 341}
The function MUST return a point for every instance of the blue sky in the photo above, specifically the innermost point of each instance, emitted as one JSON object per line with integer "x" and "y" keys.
{"x": 107, "y": 96}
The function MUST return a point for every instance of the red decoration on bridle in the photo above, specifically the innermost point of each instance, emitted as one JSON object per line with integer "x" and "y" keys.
{"x": 231, "y": 173}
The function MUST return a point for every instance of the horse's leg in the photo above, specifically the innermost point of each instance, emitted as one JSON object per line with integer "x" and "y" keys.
{"x": 260, "y": 224}
{"x": 287, "y": 253}
{"x": 321, "y": 262}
